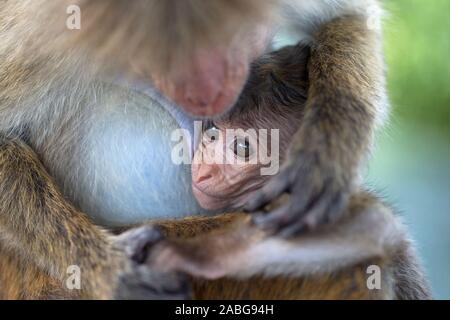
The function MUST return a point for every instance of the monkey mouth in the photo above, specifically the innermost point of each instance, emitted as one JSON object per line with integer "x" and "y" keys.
{"x": 221, "y": 199}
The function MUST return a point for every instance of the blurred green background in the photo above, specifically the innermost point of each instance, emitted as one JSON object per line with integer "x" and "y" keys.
{"x": 411, "y": 162}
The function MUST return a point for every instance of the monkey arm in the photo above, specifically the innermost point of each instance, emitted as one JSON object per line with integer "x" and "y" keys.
{"x": 330, "y": 262}
{"x": 44, "y": 235}
{"x": 39, "y": 225}
{"x": 345, "y": 101}
{"x": 241, "y": 249}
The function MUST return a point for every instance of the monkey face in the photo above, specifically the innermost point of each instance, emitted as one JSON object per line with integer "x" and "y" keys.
{"x": 225, "y": 170}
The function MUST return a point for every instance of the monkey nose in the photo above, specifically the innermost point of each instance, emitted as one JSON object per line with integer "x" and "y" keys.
{"x": 202, "y": 102}
{"x": 203, "y": 178}
{"x": 207, "y": 95}
{"x": 203, "y": 172}
{"x": 209, "y": 85}
{"x": 210, "y": 97}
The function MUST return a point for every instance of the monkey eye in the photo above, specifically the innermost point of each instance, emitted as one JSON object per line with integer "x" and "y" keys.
{"x": 211, "y": 132}
{"x": 242, "y": 148}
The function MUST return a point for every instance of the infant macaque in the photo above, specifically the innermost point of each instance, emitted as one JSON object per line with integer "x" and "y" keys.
{"x": 228, "y": 166}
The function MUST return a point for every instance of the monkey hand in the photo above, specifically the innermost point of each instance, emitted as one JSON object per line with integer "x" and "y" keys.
{"x": 141, "y": 281}
{"x": 318, "y": 191}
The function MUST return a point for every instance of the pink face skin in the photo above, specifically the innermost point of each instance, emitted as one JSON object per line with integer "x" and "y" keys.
{"x": 219, "y": 186}
{"x": 211, "y": 82}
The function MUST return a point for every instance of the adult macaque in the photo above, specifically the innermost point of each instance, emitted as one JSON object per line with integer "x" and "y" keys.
{"x": 208, "y": 55}
{"x": 198, "y": 53}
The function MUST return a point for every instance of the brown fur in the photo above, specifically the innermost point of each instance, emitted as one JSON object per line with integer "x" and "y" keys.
{"x": 345, "y": 73}
{"x": 350, "y": 283}
{"x": 46, "y": 233}
{"x": 41, "y": 234}
{"x": 342, "y": 285}
{"x": 20, "y": 280}
{"x": 346, "y": 284}
{"x": 207, "y": 243}
{"x": 26, "y": 275}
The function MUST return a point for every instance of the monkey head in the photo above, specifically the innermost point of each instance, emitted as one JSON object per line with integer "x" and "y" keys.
{"x": 195, "y": 52}
{"x": 223, "y": 173}
{"x": 228, "y": 163}
{"x": 210, "y": 80}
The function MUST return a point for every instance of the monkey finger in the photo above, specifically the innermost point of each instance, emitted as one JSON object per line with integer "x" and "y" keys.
{"x": 321, "y": 211}
{"x": 289, "y": 212}
{"x": 336, "y": 207}
{"x": 302, "y": 225}
{"x": 275, "y": 220}
{"x": 274, "y": 189}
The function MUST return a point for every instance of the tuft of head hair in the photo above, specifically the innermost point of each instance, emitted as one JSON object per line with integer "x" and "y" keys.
{"x": 276, "y": 90}
{"x": 275, "y": 94}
